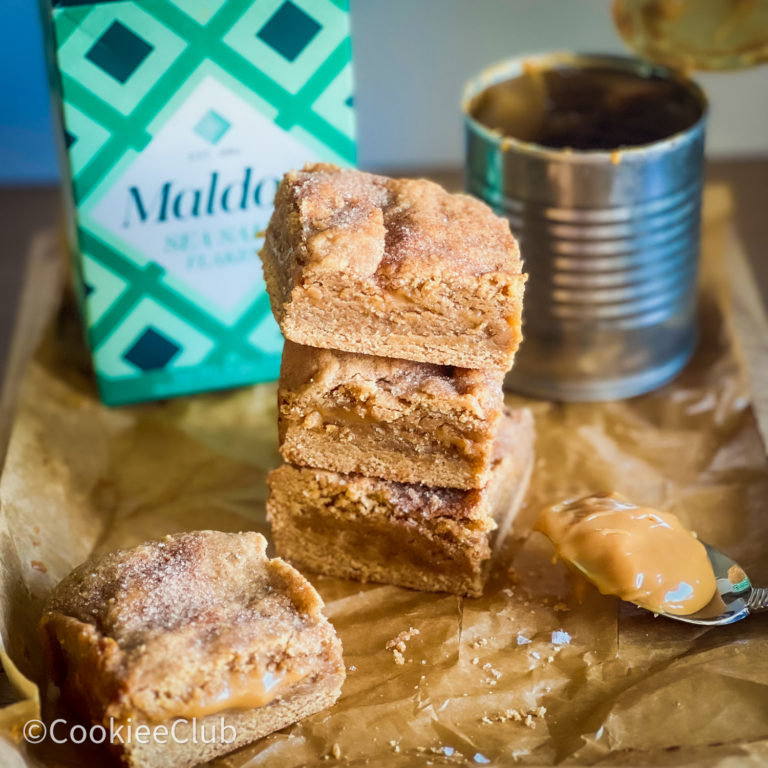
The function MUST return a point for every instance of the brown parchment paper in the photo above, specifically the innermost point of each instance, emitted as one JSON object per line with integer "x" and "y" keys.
{"x": 527, "y": 673}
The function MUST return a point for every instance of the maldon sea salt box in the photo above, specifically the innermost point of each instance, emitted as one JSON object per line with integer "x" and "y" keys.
{"x": 177, "y": 120}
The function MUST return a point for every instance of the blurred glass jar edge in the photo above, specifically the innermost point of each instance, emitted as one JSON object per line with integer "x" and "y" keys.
{"x": 564, "y": 205}
{"x": 656, "y": 31}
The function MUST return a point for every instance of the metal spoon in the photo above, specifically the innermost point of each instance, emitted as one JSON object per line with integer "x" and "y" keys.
{"x": 735, "y": 597}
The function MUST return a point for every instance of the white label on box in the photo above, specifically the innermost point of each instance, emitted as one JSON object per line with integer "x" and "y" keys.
{"x": 193, "y": 200}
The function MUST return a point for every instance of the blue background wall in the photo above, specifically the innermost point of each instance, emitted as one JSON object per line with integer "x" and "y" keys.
{"x": 27, "y": 150}
{"x": 402, "y": 123}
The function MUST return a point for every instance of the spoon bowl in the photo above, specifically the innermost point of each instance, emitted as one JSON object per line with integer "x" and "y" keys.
{"x": 735, "y": 597}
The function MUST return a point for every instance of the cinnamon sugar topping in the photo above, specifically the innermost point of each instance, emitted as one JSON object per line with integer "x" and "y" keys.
{"x": 393, "y": 227}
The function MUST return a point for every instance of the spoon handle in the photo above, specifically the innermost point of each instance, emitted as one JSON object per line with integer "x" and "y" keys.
{"x": 758, "y": 599}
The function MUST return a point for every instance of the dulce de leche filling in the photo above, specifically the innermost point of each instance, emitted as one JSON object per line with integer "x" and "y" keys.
{"x": 637, "y": 553}
{"x": 238, "y": 691}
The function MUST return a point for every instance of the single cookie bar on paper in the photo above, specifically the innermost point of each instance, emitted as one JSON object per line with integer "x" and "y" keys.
{"x": 194, "y": 631}
{"x": 368, "y": 529}
{"x": 393, "y": 419}
{"x": 392, "y": 267}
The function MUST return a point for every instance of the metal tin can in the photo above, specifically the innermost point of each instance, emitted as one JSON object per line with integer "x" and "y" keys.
{"x": 610, "y": 241}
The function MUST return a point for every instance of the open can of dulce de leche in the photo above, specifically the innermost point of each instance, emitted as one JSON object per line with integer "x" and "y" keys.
{"x": 597, "y": 162}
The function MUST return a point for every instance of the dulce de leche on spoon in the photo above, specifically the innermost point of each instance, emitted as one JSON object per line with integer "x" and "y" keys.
{"x": 640, "y": 554}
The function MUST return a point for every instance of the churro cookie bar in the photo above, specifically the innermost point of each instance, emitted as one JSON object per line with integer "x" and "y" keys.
{"x": 392, "y": 267}
{"x": 196, "y": 626}
{"x": 365, "y": 528}
{"x": 393, "y": 419}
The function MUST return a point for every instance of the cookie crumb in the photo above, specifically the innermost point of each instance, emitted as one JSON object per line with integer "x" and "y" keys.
{"x": 527, "y": 718}
{"x": 336, "y": 751}
{"x": 398, "y": 644}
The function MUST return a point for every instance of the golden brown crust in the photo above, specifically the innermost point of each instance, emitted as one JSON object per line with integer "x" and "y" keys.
{"x": 392, "y": 267}
{"x": 151, "y": 632}
{"x": 375, "y": 225}
{"x": 314, "y": 371}
{"x": 394, "y": 419}
{"x": 350, "y": 494}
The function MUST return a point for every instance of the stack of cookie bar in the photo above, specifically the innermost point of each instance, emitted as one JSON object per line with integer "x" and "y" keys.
{"x": 401, "y": 308}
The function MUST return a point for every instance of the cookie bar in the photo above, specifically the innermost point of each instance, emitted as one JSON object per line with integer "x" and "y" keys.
{"x": 368, "y": 529}
{"x": 392, "y": 267}
{"x": 197, "y": 625}
{"x": 393, "y": 419}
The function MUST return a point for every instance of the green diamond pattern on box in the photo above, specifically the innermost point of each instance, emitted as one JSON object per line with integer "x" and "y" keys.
{"x": 178, "y": 118}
